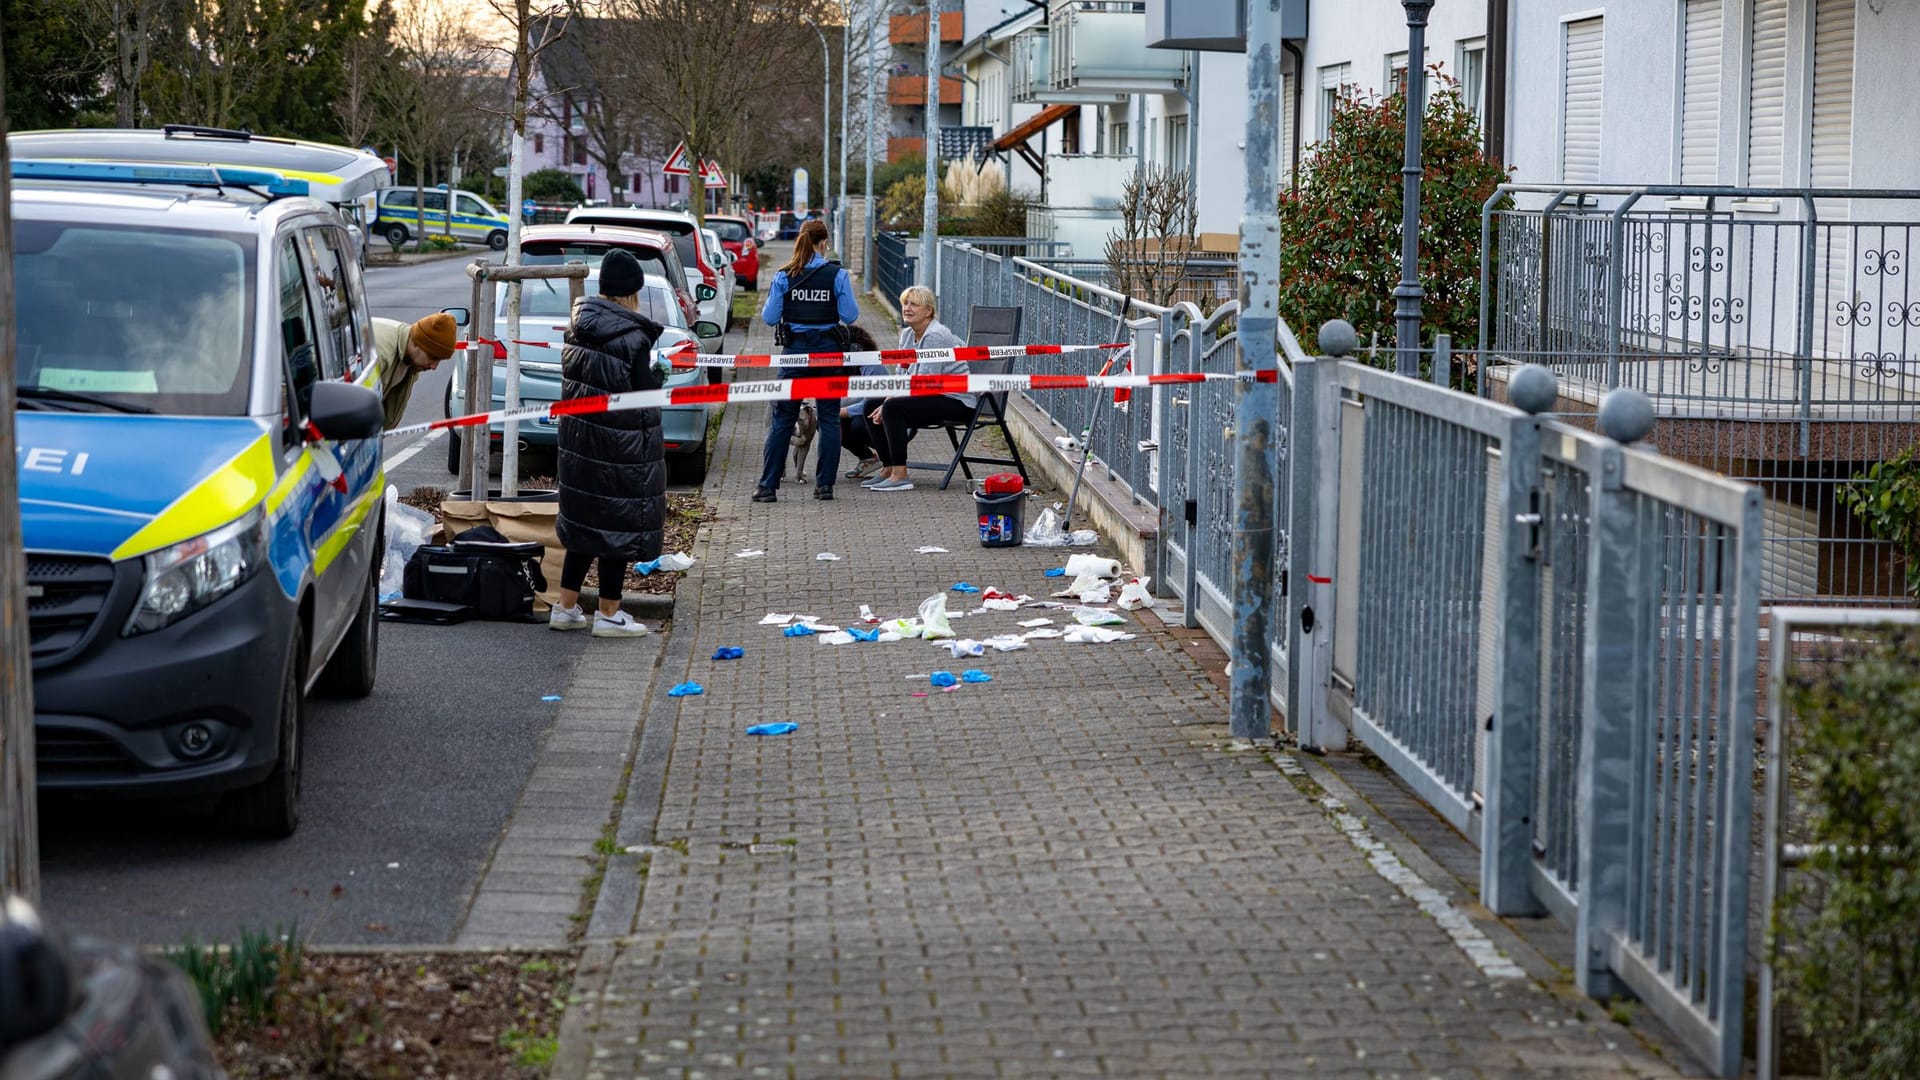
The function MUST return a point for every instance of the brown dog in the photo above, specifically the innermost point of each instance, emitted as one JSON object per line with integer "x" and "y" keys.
{"x": 805, "y": 426}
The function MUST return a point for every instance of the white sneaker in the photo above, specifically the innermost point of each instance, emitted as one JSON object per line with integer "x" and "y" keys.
{"x": 566, "y": 618}
{"x": 894, "y": 485}
{"x": 619, "y": 624}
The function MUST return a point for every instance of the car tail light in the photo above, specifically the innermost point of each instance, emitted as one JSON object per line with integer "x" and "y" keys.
{"x": 499, "y": 349}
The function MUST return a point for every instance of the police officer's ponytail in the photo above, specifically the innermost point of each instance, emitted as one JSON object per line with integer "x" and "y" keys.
{"x": 806, "y": 245}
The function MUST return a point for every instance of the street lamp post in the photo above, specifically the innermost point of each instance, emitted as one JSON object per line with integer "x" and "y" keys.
{"x": 1407, "y": 296}
{"x": 873, "y": 83}
{"x": 840, "y": 206}
{"x": 826, "y": 116}
{"x": 930, "y": 207}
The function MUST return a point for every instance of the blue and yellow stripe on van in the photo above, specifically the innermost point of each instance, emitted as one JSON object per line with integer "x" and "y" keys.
{"x": 119, "y": 487}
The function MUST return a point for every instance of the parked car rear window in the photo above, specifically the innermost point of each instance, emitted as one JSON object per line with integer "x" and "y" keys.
{"x": 169, "y": 329}
{"x": 552, "y": 252}
{"x": 732, "y": 232}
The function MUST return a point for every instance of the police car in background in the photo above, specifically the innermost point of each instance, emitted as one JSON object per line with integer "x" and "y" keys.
{"x": 200, "y": 477}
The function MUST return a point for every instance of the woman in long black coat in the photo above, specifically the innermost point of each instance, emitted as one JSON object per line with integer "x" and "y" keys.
{"x": 613, "y": 471}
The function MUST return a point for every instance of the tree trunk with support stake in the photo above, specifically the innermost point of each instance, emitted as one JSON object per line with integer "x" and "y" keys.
{"x": 20, "y": 827}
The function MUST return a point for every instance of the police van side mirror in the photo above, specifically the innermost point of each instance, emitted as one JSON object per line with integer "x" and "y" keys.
{"x": 346, "y": 411}
{"x": 704, "y": 291}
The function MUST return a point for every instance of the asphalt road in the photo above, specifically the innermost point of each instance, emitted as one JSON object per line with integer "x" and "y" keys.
{"x": 405, "y": 792}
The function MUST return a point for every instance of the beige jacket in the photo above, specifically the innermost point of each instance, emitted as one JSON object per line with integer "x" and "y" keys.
{"x": 396, "y": 374}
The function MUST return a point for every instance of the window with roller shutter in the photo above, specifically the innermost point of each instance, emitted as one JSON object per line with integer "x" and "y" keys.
{"x": 1830, "y": 165}
{"x": 1767, "y": 94}
{"x": 1580, "y": 101}
{"x": 1700, "y": 93}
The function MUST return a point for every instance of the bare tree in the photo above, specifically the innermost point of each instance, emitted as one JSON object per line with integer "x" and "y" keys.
{"x": 594, "y": 69}
{"x": 19, "y": 812}
{"x": 367, "y": 62}
{"x": 1148, "y": 255}
{"x": 709, "y": 61}
{"x": 131, "y": 25}
{"x": 424, "y": 98}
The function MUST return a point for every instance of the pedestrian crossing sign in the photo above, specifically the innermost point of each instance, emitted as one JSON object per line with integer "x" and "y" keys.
{"x": 677, "y": 162}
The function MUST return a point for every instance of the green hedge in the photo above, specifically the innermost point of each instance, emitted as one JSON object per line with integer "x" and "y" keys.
{"x": 1849, "y": 921}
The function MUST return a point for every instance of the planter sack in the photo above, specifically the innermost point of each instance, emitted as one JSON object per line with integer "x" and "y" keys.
{"x": 493, "y": 576}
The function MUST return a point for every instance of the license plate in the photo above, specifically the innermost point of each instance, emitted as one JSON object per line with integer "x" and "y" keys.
{"x": 548, "y": 421}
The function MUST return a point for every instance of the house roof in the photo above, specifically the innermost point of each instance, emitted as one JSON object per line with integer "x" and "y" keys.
{"x": 1011, "y": 26}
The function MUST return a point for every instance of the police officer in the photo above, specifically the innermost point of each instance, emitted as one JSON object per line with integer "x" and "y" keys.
{"x": 810, "y": 298}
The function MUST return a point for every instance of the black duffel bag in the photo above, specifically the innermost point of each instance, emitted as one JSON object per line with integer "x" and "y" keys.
{"x": 492, "y": 576}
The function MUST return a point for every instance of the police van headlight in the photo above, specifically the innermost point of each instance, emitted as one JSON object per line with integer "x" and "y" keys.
{"x": 188, "y": 576}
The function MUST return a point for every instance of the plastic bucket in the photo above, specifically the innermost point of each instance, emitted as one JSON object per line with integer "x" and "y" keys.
{"x": 1002, "y": 518}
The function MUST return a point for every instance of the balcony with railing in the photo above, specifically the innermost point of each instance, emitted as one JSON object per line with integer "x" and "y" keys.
{"x": 912, "y": 29}
{"x": 1031, "y": 75}
{"x": 911, "y": 90}
{"x": 1100, "y": 46}
{"x": 1775, "y": 332}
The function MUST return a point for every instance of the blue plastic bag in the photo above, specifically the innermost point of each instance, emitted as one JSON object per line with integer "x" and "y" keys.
{"x": 942, "y": 678}
{"x": 729, "y": 652}
{"x": 783, "y": 727}
{"x": 687, "y": 689}
{"x": 798, "y": 630}
{"x": 975, "y": 675}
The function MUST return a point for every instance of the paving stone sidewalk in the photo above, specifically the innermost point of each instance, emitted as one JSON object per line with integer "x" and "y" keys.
{"x": 1061, "y": 872}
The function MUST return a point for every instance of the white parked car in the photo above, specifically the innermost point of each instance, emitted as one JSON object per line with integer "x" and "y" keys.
{"x": 684, "y": 231}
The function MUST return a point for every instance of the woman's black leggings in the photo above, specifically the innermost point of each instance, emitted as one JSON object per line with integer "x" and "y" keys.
{"x": 900, "y": 415}
{"x": 613, "y": 573}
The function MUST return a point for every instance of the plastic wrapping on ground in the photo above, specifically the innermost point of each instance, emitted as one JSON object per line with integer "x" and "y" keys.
{"x": 1134, "y": 594}
{"x": 934, "y": 621}
{"x": 407, "y": 529}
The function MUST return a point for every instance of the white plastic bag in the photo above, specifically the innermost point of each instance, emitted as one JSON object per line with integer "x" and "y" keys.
{"x": 934, "y": 623}
{"x": 1046, "y": 531}
{"x": 676, "y": 561}
{"x": 407, "y": 529}
{"x": 1134, "y": 594}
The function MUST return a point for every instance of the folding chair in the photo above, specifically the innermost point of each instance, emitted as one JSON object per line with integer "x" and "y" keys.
{"x": 990, "y": 326}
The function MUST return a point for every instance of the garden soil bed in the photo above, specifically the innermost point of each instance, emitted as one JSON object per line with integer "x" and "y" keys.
{"x": 445, "y": 1015}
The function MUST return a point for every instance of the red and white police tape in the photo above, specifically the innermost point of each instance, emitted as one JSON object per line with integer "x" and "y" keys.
{"x": 689, "y": 357}
{"x": 814, "y": 387}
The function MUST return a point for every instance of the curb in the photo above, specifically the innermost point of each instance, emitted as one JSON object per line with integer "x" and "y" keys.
{"x": 623, "y": 886}
{"x": 638, "y": 605}
{"x": 412, "y": 259}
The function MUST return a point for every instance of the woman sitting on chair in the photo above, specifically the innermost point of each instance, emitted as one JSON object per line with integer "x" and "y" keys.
{"x": 892, "y": 424}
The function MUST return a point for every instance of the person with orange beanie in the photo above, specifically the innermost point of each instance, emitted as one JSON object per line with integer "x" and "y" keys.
{"x": 403, "y": 351}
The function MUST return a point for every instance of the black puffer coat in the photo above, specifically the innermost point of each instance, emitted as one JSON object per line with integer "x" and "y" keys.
{"x": 613, "y": 470}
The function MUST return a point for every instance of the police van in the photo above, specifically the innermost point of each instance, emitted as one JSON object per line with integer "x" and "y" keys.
{"x": 198, "y": 433}
{"x": 460, "y": 215}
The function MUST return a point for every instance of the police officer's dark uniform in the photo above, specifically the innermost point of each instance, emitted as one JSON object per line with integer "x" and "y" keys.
{"x": 807, "y": 310}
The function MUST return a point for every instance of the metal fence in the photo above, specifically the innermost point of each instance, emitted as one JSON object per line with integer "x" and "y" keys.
{"x": 1550, "y": 635}
{"x": 894, "y": 265}
{"x": 1777, "y": 332}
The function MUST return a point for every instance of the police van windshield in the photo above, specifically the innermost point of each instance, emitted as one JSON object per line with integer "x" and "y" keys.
{"x": 143, "y": 319}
